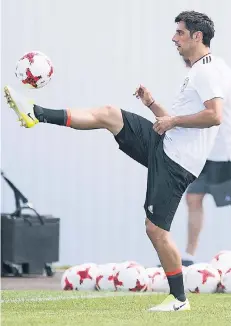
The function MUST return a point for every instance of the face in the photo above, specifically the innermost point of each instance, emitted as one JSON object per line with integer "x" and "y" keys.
{"x": 186, "y": 44}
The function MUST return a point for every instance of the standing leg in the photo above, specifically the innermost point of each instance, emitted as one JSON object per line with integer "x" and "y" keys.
{"x": 169, "y": 257}
{"x": 167, "y": 181}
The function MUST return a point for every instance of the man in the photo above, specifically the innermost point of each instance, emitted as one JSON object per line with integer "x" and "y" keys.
{"x": 216, "y": 175}
{"x": 174, "y": 149}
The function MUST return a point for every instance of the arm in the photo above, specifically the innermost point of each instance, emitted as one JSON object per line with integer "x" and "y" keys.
{"x": 157, "y": 109}
{"x": 210, "y": 116}
{"x": 208, "y": 85}
{"x": 147, "y": 99}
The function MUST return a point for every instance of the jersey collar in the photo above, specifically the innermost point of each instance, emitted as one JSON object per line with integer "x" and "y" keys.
{"x": 198, "y": 60}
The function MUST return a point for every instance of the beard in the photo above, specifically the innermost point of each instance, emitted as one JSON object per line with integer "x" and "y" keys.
{"x": 187, "y": 62}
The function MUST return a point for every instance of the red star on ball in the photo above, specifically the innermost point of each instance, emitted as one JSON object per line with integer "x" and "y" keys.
{"x": 205, "y": 275}
{"x": 31, "y": 79}
{"x": 138, "y": 287}
{"x": 84, "y": 275}
{"x": 68, "y": 285}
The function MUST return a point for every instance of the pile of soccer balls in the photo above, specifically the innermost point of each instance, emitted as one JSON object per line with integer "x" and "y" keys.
{"x": 131, "y": 276}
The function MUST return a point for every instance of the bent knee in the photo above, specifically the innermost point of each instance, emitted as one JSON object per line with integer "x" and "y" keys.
{"x": 154, "y": 232}
{"x": 194, "y": 201}
{"x": 110, "y": 118}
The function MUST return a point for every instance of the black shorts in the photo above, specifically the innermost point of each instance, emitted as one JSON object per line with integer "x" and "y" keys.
{"x": 213, "y": 173}
{"x": 215, "y": 179}
{"x": 167, "y": 180}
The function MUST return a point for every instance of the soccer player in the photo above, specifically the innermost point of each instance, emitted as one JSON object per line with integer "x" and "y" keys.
{"x": 174, "y": 149}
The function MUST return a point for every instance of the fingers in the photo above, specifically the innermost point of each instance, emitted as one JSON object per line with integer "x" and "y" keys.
{"x": 136, "y": 91}
{"x": 139, "y": 92}
{"x": 159, "y": 131}
{"x": 158, "y": 128}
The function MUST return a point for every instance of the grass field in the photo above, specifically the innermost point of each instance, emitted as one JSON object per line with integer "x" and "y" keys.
{"x": 109, "y": 309}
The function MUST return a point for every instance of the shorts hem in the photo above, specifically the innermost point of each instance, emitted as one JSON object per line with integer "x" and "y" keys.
{"x": 155, "y": 221}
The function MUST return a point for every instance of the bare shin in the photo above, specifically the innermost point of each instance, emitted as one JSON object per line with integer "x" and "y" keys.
{"x": 195, "y": 221}
{"x": 166, "y": 249}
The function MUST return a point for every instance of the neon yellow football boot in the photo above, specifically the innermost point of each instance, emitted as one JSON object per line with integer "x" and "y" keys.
{"x": 22, "y": 106}
{"x": 171, "y": 304}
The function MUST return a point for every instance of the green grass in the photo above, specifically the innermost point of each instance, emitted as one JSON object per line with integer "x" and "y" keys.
{"x": 69, "y": 309}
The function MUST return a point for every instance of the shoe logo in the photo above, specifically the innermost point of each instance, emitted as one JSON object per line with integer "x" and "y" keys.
{"x": 177, "y": 308}
{"x": 29, "y": 115}
{"x": 150, "y": 208}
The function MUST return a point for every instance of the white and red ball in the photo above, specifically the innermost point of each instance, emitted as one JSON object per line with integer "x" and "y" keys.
{"x": 131, "y": 278}
{"x": 202, "y": 278}
{"x": 222, "y": 261}
{"x": 128, "y": 264}
{"x": 67, "y": 281}
{"x": 226, "y": 281}
{"x": 80, "y": 277}
{"x": 184, "y": 272}
{"x": 154, "y": 275}
{"x": 105, "y": 277}
{"x": 34, "y": 69}
{"x": 160, "y": 283}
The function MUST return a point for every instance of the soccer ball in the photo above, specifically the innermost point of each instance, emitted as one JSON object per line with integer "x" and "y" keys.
{"x": 222, "y": 261}
{"x": 184, "y": 272}
{"x": 34, "y": 69}
{"x": 105, "y": 277}
{"x": 160, "y": 282}
{"x": 226, "y": 281}
{"x": 154, "y": 274}
{"x": 128, "y": 264}
{"x": 80, "y": 277}
{"x": 67, "y": 279}
{"x": 202, "y": 278}
{"x": 132, "y": 278}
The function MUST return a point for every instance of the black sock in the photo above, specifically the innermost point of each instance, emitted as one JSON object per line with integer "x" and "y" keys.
{"x": 57, "y": 117}
{"x": 176, "y": 285}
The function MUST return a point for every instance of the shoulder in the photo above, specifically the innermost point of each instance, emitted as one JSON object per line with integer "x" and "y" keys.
{"x": 209, "y": 68}
{"x": 209, "y": 65}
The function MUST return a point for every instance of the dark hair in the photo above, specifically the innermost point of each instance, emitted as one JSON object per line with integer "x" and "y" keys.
{"x": 196, "y": 21}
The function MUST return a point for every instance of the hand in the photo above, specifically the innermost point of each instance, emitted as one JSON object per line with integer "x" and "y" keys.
{"x": 163, "y": 124}
{"x": 145, "y": 96}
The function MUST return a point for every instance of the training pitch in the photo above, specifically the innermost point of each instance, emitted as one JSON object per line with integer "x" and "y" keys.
{"x": 37, "y": 301}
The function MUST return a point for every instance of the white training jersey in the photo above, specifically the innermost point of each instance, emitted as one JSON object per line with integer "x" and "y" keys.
{"x": 221, "y": 151}
{"x": 208, "y": 78}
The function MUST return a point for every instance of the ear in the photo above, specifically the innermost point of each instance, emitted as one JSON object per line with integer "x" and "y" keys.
{"x": 198, "y": 36}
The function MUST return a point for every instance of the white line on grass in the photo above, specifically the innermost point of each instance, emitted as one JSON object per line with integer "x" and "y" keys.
{"x": 77, "y": 297}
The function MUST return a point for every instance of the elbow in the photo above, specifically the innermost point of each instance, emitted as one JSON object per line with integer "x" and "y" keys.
{"x": 216, "y": 119}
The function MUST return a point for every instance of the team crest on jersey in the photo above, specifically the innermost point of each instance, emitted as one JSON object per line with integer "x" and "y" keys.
{"x": 185, "y": 84}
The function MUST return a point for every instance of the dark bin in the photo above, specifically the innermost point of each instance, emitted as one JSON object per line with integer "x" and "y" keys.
{"x": 28, "y": 242}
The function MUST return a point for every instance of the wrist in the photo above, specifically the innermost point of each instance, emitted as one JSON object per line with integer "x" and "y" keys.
{"x": 150, "y": 103}
{"x": 175, "y": 121}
